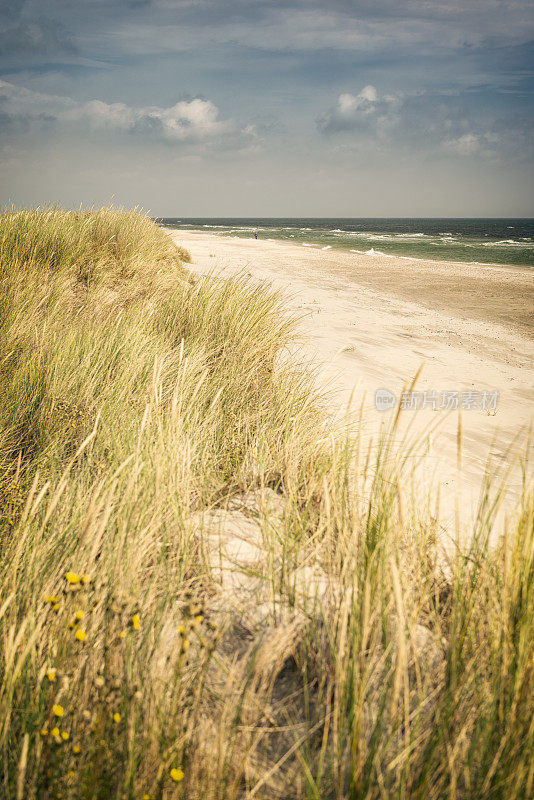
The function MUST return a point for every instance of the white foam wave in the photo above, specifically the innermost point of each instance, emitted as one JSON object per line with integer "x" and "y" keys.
{"x": 373, "y": 252}
{"x": 328, "y": 247}
{"x": 502, "y": 243}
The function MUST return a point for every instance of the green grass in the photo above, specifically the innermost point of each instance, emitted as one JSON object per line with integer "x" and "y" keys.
{"x": 135, "y": 397}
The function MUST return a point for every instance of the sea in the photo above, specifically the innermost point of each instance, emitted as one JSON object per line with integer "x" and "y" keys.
{"x": 482, "y": 241}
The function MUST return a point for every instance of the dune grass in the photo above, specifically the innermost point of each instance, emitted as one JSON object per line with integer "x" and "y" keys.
{"x": 133, "y": 399}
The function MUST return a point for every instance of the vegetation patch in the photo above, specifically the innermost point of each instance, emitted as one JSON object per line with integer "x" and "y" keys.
{"x": 204, "y": 591}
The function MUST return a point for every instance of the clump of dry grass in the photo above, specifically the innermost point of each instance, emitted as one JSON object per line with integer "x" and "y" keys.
{"x": 134, "y": 399}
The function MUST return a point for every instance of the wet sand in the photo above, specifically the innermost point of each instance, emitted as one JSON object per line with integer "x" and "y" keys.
{"x": 372, "y": 321}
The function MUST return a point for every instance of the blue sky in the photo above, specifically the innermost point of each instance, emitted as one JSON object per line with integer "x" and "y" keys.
{"x": 269, "y": 107}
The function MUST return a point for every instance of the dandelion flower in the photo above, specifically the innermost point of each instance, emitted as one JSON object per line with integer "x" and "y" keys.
{"x": 52, "y": 599}
{"x": 64, "y": 736}
{"x": 58, "y": 710}
{"x": 122, "y": 635}
{"x": 116, "y": 717}
{"x": 181, "y": 629}
{"x": 55, "y": 733}
{"x": 185, "y": 645}
{"x": 51, "y": 675}
{"x": 76, "y": 749}
{"x": 71, "y": 774}
{"x": 44, "y": 731}
{"x": 78, "y": 615}
{"x": 136, "y": 621}
{"x": 177, "y": 775}
{"x": 55, "y": 607}
{"x": 72, "y": 577}
{"x": 147, "y": 796}
{"x": 80, "y": 635}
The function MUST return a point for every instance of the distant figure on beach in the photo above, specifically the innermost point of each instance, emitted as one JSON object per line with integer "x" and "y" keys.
{"x": 255, "y": 234}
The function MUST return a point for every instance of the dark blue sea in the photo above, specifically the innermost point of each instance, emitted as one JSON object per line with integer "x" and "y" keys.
{"x": 483, "y": 241}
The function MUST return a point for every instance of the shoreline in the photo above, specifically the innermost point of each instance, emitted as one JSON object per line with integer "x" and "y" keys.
{"x": 514, "y": 284}
{"x": 371, "y": 322}
{"x": 341, "y": 250}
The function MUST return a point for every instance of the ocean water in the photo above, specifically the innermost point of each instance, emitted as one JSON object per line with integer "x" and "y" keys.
{"x": 484, "y": 241}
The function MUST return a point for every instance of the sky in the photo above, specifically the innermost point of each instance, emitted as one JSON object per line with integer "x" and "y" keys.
{"x": 301, "y": 108}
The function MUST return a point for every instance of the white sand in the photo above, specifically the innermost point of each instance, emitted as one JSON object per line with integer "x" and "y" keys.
{"x": 371, "y": 322}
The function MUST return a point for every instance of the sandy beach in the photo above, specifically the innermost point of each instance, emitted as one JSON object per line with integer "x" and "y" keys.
{"x": 372, "y": 322}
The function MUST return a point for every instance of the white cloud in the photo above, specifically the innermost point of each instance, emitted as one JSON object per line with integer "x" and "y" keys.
{"x": 188, "y": 121}
{"x": 349, "y": 103}
{"x": 366, "y": 112}
{"x": 418, "y": 122}
{"x": 465, "y": 145}
{"x": 471, "y": 144}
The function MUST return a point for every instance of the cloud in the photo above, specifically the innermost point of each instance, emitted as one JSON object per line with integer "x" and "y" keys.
{"x": 380, "y": 26}
{"x": 465, "y": 145}
{"x": 32, "y": 34}
{"x": 365, "y": 113}
{"x": 424, "y": 123}
{"x": 193, "y": 121}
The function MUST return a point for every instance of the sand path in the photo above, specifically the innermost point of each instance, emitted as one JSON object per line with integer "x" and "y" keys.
{"x": 372, "y": 321}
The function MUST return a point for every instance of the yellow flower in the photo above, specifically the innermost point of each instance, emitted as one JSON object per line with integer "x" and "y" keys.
{"x": 76, "y": 749}
{"x": 136, "y": 621}
{"x": 64, "y": 736}
{"x": 198, "y": 619}
{"x": 71, "y": 773}
{"x": 72, "y": 577}
{"x": 147, "y": 796}
{"x": 177, "y": 775}
{"x": 181, "y": 629}
{"x": 185, "y": 645}
{"x": 55, "y": 733}
{"x": 44, "y": 731}
{"x": 58, "y": 710}
{"x": 116, "y": 717}
{"x": 55, "y": 607}
{"x": 51, "y": 675}
{"x": 122, "y": 635}
{"x": 80, "y": 635}
{"x": 78, "y": 615}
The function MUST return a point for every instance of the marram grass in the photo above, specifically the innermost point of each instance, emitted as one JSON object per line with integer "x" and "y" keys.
{"x": 133, "y": 398}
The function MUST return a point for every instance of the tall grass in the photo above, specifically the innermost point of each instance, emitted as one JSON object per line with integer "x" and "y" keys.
{"x": 137, "y": 400}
